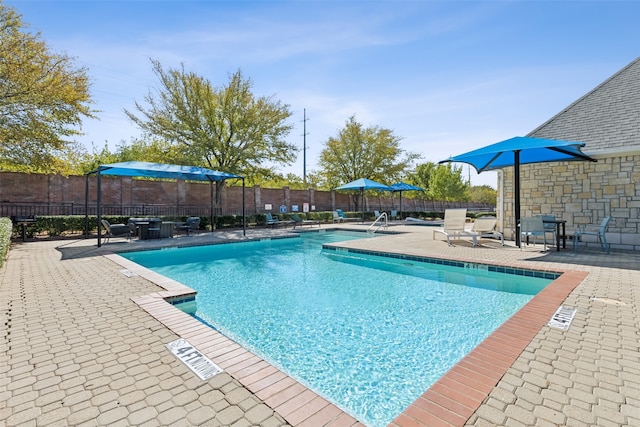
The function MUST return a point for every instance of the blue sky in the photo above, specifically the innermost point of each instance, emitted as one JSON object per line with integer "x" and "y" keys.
{"x": 446, "y": 76}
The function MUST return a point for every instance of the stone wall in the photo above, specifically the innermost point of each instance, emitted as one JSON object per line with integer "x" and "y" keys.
{"x": 580, "y": 193}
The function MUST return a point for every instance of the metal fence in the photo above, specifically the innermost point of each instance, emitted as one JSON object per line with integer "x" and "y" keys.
{"x": 36, "y": 209}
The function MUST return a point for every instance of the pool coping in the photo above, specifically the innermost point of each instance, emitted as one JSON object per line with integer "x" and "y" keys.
{"x": 450, "y": 401}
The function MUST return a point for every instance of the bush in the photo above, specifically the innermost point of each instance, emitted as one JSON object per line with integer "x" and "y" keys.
{"x": 6, "y": 228}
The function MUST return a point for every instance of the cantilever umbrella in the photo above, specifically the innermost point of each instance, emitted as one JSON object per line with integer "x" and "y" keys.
{"x": 364, "y": 184}
{"x": 403, "y": 186}
{"x": 521, "y": 151}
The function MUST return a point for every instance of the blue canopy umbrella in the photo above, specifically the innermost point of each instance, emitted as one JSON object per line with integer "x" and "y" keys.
{"x": 403, "y": 186}
{"x": 521, "y": 151}
{"x": 157, "y": 170}
{"x": 364, "y": 184}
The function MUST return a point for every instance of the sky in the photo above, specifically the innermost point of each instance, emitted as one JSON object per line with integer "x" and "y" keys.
{"x": 446, "y": 77}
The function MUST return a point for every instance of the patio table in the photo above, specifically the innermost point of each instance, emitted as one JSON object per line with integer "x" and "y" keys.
{"x": 560, "y": 223}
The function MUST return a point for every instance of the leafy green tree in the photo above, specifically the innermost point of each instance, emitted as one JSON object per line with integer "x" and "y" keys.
{"x": 359, "y": 152}
{"x": 43, "y": 97}
{"x": 421, "y": 177}
{"x": 224, "y": 128}
{"x": 142, "y": 150}
{"x": 482, "y": 194}
{"x": 447, "y": 184}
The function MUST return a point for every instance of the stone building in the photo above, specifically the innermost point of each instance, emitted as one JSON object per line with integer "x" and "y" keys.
{"x": 607, "y": 120}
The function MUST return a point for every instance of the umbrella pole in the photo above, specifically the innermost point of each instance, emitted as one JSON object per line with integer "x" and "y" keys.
{"x": 516, "y": 191}
{"x": 362, "y": 194}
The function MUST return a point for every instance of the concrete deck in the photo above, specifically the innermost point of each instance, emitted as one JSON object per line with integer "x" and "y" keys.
{"x": 83, "y": 344}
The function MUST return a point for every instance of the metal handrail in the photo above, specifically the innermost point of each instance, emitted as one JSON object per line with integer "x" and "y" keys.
{"x": 385, "y": 225}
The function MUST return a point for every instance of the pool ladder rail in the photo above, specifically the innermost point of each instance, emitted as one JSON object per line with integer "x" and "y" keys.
{"x": 382, "y": 222}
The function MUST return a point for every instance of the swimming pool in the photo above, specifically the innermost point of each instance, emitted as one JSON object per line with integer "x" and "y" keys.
{"x": 369, "y": 333}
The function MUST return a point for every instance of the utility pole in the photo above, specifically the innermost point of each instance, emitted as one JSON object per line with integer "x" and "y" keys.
{"x": 304, "y": 146}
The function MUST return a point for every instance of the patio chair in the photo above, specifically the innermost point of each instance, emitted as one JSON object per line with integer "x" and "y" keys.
{"x": 454, "y": 220}
{"x": 532, "y": 228}
{"x": 115, "y": 230}
{"x": 153, "y": 230}
{"x": 594, "y": 230}
{"x": 337, "y": 218}
{"x": 192, "y": 223}
{"x": 484, "y": 226}
{"x": 393, "y": 215}
{"x": 299, "y": 221}
{"x": 549, "y": 227}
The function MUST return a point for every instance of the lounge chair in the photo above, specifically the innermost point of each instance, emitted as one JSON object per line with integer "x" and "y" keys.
{"x": 484, "y": 226}
{"x": 299, "y": 221}
{"x": 192, "y": 223}
{"x": 115, "y": 230}
{"x": 600, "y": 231}
{"x": 531, "y": 228}
{"x": 417, "y": 221}
{"x": 273, "y": 221}
{"x": 454, "y": 220}
{"x": 344, "y": 217}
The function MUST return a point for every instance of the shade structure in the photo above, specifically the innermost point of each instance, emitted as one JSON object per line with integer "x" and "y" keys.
{"x": 403, "y": 186}
{"x": 521, "y": 151}
{"x": 158, "y": 170}
{"x": 161, "y": 170}
{"x": 363, "y": 184}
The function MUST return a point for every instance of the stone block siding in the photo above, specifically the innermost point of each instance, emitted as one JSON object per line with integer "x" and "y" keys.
{"x": 581, "y": 193}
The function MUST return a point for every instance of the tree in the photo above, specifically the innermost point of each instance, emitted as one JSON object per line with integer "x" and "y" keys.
{"x": 223, "y": 128}
{"x": 483, "y": 194}
{"x": 43, "y": 97}
{"x": 421, "y": 177}
{"x": 446, "y": 183}
{"x": 359, "y": 152}
{"x": 137, "y": 150}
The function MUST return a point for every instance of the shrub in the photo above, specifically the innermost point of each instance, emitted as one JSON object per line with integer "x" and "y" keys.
{"x": 6, "y": 228}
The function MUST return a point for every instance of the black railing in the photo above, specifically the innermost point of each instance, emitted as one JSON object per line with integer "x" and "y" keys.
{"x": 35, "y": 209}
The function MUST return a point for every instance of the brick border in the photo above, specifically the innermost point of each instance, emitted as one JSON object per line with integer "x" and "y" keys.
{"x": 449, "y": 402}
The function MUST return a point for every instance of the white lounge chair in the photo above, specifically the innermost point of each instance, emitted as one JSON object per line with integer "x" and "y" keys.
{"x": 594, "y": 230}
{"x": 484, "y": 226}
{"x": 454, "y": 220}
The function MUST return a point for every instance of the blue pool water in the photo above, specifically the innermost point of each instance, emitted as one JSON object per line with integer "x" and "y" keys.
{"x": 369, "y": 333}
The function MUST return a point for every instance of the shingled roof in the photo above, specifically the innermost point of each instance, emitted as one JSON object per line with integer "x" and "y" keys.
{"x": 607, "y": 119}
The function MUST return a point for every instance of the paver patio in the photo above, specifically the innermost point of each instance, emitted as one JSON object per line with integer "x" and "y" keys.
{"x": 83, "y": 344}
